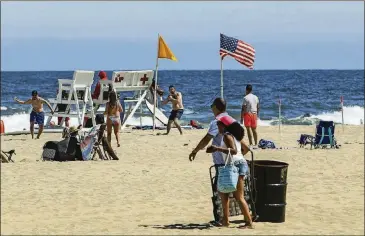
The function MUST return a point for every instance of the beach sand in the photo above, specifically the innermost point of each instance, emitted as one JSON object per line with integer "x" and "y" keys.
{"x": 153, "y": 187}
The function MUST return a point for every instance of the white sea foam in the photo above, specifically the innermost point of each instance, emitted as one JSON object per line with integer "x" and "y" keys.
{"x": 352, "y": 116}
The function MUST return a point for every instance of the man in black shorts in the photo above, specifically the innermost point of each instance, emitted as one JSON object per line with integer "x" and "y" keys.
{"x": 177, "y": 108}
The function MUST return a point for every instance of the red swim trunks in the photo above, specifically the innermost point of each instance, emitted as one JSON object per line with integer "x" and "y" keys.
{"x": 250, "y": 120}
{"x": 60, "y": 119}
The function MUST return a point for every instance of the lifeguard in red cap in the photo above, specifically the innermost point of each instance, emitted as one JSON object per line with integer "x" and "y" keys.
{"x": 103, "y": 76}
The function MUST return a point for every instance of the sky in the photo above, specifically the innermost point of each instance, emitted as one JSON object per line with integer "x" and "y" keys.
{"x": 123, "y": 35}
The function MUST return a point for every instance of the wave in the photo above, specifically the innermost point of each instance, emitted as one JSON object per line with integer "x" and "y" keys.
{"x": 20, "y": 122}
{"x": 4, "y": 108}
{"x": 353, "y": 115}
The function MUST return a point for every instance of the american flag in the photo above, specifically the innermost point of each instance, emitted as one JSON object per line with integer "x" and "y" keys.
{"x": 239, "y": 50}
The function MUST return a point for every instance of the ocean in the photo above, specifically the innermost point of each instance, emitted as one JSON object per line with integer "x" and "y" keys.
{"x": 306, "y": 95}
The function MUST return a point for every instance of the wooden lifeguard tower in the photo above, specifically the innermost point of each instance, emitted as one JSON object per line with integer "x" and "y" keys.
{"x": 80, "y": 103}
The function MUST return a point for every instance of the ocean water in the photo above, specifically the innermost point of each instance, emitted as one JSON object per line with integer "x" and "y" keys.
{"x": 306, "y": 95}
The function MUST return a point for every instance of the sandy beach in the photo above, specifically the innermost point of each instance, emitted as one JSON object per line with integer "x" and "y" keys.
{"x": 153, "y": 187}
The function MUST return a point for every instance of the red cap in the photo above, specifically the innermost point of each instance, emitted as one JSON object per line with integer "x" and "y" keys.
{"x": 102, "y": 74}
{"x": 226, "y": 120}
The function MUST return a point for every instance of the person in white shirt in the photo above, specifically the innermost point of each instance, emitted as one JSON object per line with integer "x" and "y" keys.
{"x": 219, "y": 110}
{"x": 249, "y": 113}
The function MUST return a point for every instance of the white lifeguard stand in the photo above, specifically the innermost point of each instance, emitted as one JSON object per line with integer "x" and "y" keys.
{"x": 138, "y": 82}
{"x": 78, "y": 95}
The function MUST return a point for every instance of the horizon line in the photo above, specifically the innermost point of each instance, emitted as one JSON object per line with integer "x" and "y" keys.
{"x": 179, "y": 70}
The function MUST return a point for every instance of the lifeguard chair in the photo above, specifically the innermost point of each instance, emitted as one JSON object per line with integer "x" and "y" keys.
{"x": 138, "y": 82}
{"x": 78, "y": 94}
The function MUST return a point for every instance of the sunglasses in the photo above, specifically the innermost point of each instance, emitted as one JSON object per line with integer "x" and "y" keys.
{"x": 211, "y": 106}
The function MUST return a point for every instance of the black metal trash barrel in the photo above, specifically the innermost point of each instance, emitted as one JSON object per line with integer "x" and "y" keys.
{"x": 271, "y": 183}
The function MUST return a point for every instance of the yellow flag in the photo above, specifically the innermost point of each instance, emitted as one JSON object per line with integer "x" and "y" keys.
{"x": 164, "y": 50}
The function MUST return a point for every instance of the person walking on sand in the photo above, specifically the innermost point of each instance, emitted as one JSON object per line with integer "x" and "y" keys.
{"x": 113, "y": 109}
{"x": 37, "y": 114}
{"x": 177, "y": 108}
{"x": 249, "y": 113}
{"x": 229, "y": 144}
{"x": 219, "y": 110}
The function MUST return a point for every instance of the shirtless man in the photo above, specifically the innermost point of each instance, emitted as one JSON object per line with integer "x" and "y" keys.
{"x": 177, "y": 108}
{"x": 37, "y": 113}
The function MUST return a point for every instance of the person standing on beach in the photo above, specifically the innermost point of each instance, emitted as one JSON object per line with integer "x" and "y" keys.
{"x": 219, "y": 110}
{"x": 177, "y": 108}
{"x": 37, "y": 114}
{"x": 113, "y": 109}
{"x": 159, "y": 92}
{"x": 249, "y": 113}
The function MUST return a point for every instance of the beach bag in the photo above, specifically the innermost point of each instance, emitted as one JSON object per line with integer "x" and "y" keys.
{"x": 99, "y": 119}
{"x": 88, "y": 122}
{"x": 50, "y": 151}
{"x": 305, "y": 139}
{"x": 266, "y": 144}
{"x": 65, "y": 150}
{"x": 227, "y": 176}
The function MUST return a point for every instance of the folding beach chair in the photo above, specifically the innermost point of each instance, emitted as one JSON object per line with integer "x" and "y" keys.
{"x": 324, "y": 136}
{"x": 234, "y": 209}
{"x": 6, "y": 156}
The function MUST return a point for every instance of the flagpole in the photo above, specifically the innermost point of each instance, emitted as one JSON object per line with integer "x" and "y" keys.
{"x": 342, "y": 113}
{"x": 280, "y": 116}
{"x": 154, "y": 93}
{"x": 221, "y": 76}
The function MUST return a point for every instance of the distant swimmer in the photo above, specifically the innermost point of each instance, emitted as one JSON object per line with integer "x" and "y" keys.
{"x": 37, "y": 114}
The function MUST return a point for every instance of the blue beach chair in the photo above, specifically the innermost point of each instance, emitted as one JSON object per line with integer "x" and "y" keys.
{"x": 325, "y": 135}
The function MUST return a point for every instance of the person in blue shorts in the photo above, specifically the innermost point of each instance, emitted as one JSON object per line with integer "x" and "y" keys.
{"x": 177, "y": 108}
{"x": 37, "y": 114}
